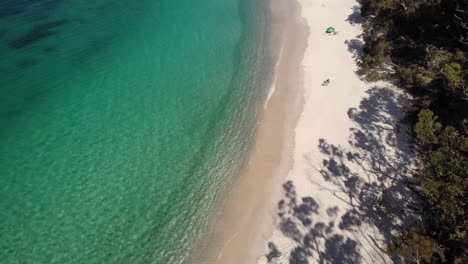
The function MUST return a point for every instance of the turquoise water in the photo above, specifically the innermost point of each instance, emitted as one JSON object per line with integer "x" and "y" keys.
{"x": 122, "y": 123}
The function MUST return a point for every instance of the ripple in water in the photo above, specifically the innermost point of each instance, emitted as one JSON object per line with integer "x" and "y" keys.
{"x": 121, "y": 123}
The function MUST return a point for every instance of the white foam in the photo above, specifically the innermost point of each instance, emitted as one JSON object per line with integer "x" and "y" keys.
{"x": 272, "y": 89}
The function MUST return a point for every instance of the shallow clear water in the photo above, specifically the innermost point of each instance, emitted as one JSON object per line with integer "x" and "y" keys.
{"x": 122, "y": 122}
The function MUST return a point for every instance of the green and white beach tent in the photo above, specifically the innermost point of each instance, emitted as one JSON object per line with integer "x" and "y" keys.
{"x": 330, "y": 30}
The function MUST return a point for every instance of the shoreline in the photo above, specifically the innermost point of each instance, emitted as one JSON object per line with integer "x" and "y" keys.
{"x": 322, "y": 155}
{"x": 240, "y": 229}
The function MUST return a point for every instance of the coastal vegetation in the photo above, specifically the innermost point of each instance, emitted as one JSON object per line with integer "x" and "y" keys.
{"x": 422, "y": 46}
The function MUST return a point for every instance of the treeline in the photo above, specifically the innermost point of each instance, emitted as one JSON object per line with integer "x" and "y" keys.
{"x": 422, "y": 46}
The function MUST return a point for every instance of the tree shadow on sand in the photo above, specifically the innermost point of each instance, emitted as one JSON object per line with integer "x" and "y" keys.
{"x": 313, "y": 239}
{"x": 370, "y": 177}
{"x": 355, "y": 46}
{"x": 355, "y": 17}
{"x": 377, "y": 188}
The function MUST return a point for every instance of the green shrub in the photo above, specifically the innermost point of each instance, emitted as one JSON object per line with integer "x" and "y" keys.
{"x": 453, "y": 73}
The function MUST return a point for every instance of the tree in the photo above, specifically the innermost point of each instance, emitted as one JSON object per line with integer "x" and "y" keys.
{"x": 427, "y": 127}
{"x": 422, "y": 47}
{"x": 445, "y": 184}
{"x": 443, "y": 180}
{"x": 453, "y": 73}
{"x": 415, "y": 246}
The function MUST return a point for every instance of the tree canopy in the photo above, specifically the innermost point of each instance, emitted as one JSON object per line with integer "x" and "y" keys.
{"x": 422, "y": 46}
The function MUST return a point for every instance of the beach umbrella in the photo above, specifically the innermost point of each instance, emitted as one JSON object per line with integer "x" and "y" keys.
{"x": 330, "y": 30}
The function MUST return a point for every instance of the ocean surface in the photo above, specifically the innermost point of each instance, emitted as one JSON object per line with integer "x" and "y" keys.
{"x": 123, "y": 123}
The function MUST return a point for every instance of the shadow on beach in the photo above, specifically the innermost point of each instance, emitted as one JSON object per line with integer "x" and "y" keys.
{"x": 355, "y": 17}
{"x": 296, "y": 223}
{"x": 370, "y": 177}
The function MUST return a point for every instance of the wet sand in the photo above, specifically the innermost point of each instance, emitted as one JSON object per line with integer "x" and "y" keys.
{"x": 245, "y": 220}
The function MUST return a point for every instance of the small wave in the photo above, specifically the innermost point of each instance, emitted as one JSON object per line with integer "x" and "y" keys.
{"x": 272, "y": 89}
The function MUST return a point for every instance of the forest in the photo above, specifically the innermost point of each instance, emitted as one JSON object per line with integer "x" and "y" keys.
{"x": 422, "y": 47}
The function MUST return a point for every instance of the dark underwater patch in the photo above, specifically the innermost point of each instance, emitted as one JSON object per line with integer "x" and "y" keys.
{"x": 6, "y": 10}
{"x": 35, "y": 17}
{"x": 30, "y": 38}
{"x": 38, "y": 33}
{"x": 50, "y": 4}
{"x": 15, "y": 7}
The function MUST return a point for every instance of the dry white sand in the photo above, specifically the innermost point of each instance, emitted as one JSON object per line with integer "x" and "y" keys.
{"x": 344, "y": 195}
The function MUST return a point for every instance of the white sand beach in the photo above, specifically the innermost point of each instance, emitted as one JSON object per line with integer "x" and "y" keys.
{"x": 326, "y": 177}
{"x": 351, "y": 159}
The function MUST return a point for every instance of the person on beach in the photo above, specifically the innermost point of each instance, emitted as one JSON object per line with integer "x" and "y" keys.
{"x": 326, "y": 82}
